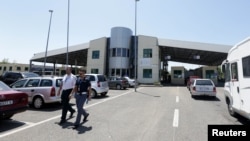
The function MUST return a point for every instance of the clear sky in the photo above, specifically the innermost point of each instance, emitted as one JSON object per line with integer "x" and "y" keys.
{"x": 24, "y": 23}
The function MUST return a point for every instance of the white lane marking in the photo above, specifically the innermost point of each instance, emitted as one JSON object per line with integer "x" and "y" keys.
{"x": 58, "y": 116}
{"x": 176, "y": 118}
{"x": 177, "y": 99}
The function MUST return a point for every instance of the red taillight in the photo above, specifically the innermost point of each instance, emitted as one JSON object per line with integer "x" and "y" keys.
{"x": 53, "y": 91}
{"x": 98, "y": 84}
{"x": 194, "y": 88}
{"x": 214, "y": 89}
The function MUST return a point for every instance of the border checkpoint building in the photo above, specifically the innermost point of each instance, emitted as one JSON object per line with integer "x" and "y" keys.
{"x": 115, "y": 55}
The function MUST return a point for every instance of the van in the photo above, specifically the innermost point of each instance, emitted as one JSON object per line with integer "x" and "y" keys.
{"x": 236, "y": 69}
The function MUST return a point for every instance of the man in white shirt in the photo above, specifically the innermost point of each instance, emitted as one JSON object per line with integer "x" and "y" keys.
{"x": 67, "y": 85}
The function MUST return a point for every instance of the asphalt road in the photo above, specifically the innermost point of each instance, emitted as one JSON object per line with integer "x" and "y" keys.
{"x": 150, "y": 114}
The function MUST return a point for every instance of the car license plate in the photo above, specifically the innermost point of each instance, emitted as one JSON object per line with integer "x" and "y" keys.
{"x": 204, "y": 89}
{"x": 3, "y": 103}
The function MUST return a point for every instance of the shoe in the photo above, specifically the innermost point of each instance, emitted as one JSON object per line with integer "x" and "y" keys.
{"x": 75, "y": 126}
{"x": 85, "y": 117}
{"x": 71, "y": 114}
{"x": 62, "y": 121}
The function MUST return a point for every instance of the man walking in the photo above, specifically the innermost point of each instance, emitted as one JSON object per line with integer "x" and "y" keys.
{"x": 67, "y": 85}
{"x": 82, "y": 92}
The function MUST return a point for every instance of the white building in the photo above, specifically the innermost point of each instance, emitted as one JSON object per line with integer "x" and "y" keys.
{"x": 115, "y": 55}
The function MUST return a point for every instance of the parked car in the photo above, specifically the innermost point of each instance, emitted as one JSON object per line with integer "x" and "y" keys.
{"x": 200, "y": 87}
{"x": 117, "y": 82}
{"x": 41, "y": 90}
{"x": 190, "y": 80}
{"x": 11, "y": 101}
{"x": 131, "y": 82}
{"x": 9, "y": 77}
{"x": 99, "y": 84}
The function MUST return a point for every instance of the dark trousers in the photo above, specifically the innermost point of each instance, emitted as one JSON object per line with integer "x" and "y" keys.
{"x": 65, "y": 103}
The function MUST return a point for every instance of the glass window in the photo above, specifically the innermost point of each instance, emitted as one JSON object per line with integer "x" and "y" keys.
{"x": 101, "y": 78}
{"x": 124, "y": 52}
{"x": 124, "y": 72}
{"x": 113, "y": 52}
{"x": 227, "y": 73}
{"x": 32, "y": 83}
{"x": 234, "y": 72}
{"x": 0, "y": 68}
{"x": 128, "y": 53}
{"x": 177, "y": 74}
{"x": 10, "y": 68}
{"x": 119, "y": 52}
{"x": 204, "y": 82}
{"x": 46, "y": 83}
{"x": 26, "y": 68}
{"x": 246, "y": 66}
{"x": 112, "y": 72}
{"x": 95, "y": 54}
{"x": 147, "y": 73}
{"x": 94, "y": 71}
{"x": 18, "y": 68}
{"x": 4, "y": 68}
{"x": 19, "y": 83}
{"x": 210, "y": 74}
{"x": 147, "y": 53}
{"x": 118, "y": 72}
{"x": 110, "y": 53}
{"x": 58, "y": 82}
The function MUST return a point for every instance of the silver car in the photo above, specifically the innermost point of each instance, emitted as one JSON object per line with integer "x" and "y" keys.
{"x": 200, "y": 87}
{"x": 40, "y": 90}
{"x": 99, "y": 84}
{"x": 117, "y": 82}
{"x": 131, "y": 82}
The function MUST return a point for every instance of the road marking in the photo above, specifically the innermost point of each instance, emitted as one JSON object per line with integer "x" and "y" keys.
{"x": 176, "y": 118}
{"x": 58, "y": 116}
{"x": 177, "y": 99}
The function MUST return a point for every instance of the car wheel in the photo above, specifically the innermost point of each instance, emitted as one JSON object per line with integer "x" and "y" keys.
{"x": 118, "y": 87}
{"x": 93, "y": 93}
{"x": 38, "y": 102}
{"x": 230, "y": 110}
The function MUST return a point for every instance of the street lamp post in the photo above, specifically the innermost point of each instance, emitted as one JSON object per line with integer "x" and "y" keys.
{"x": 135, "y": 44}
{"x": 67, "y": 53}
{"x": 45, "y": 58}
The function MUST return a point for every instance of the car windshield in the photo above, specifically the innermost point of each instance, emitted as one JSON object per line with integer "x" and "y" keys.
{"x": 30, "y": 74}
{"x": 4, "y": 87}
{"x": 203, "y": 82}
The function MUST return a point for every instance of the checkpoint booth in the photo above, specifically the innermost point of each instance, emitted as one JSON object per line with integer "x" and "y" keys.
{"x": 178, "y": 75}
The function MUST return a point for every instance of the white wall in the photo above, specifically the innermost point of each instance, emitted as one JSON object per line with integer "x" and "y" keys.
{"x": 147, "y": 42}
{"x": 100, "y": 64}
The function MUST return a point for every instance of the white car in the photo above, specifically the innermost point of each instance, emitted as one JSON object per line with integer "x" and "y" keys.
{"x": 130, "y": 81}
{"x": 99, "y": 84}
{"x": 200, "y": 87}
{"x": 40, "y": 90}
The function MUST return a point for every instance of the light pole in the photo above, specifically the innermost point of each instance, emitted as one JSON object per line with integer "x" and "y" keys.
{"x": 45, "y": 58}
{"x": 67, "y": 53}
{"x": 135, "y": 44}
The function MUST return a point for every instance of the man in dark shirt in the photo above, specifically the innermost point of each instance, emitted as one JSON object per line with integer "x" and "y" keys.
{"x": 82, "y": 92}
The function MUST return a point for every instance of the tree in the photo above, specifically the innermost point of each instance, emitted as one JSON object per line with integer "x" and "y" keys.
{"x": 5, "y": 61}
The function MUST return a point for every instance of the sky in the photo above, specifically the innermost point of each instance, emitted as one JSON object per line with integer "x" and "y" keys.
{"x": 24, "y": 24}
